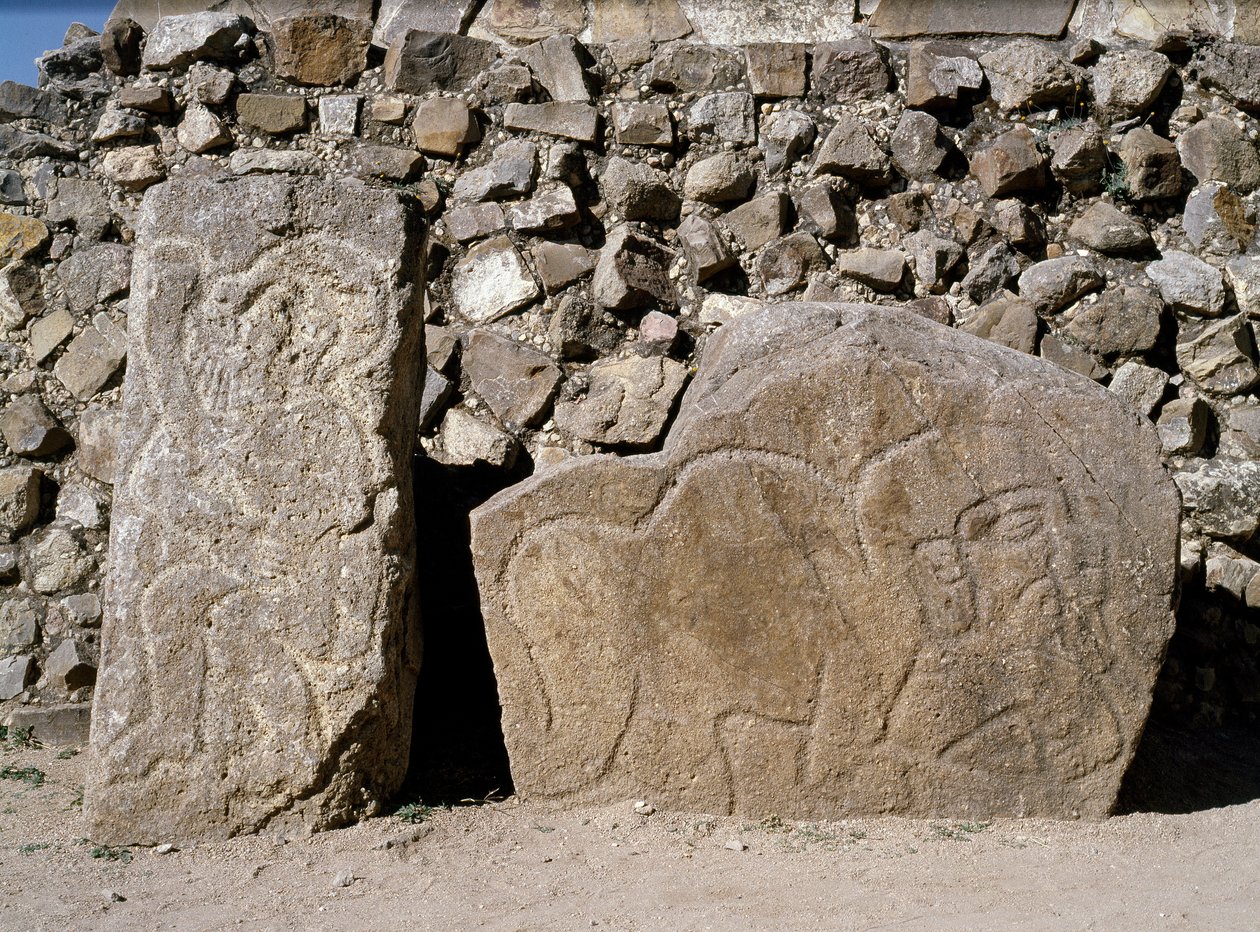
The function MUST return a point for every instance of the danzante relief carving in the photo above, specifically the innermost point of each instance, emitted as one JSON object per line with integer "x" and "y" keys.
{"x": 262, "y": 643}
{"x": 879, "y": 567}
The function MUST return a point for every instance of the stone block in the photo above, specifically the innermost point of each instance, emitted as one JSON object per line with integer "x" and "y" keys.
{"x": 259, "y": 644}
{"x": 860, "y": 579}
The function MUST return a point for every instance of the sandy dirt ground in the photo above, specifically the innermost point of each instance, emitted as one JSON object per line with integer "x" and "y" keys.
{"x": 507, "y": 865}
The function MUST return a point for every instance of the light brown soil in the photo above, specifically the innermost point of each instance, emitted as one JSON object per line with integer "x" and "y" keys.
{"x": 517, "y": 866}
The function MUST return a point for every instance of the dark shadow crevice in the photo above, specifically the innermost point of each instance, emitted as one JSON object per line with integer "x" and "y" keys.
{"x": 457, "y": 749}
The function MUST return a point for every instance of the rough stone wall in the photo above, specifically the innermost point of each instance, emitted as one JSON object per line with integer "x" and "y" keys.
{"x": 600, "y": 205}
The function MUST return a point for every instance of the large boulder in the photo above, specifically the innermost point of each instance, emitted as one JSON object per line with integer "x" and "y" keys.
{"x": 880, "y": 566}
{"x": 259, "y": 644}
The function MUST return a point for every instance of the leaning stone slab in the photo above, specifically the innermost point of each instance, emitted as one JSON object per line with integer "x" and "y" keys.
{"x": 259, "y": 643}
{"x": 880, "y": 567}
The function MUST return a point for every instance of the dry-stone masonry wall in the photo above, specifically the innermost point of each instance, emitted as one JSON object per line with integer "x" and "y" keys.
{"x": 608, "y": 183}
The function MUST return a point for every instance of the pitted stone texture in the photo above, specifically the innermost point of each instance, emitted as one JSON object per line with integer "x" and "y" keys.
{"x": 880, "y": 567}
{"x": 259, "y": 648}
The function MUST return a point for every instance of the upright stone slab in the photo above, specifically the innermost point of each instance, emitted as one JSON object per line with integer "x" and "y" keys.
{"x": 260, "y": 640}
{"x": 881, "y": 566}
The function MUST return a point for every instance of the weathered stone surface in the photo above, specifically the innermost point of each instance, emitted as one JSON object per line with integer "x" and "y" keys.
{"x": 29, "y": 429}
{"x": 391, "y": 163}
{"x": 509, "y": 173}
{"x": 63, "y": 725}
{"x": 1233, "y": 69}
{"x": 908, "y": 19}
{"x": 759, "y": 221}
{"x": 789, "y": 263}
{"x": 59, "y": 560}
{"x": 492, "y": 280}
{"x": 1079, "y": 157}
{"x": 995, "y": 269}
{"x": 16, "y": 144}
{"x": 339, "y": 114}
{"x": 119, "y": 124}
{"x": 210, "y": 84}
{"x": 92, "y": 357}
{"x": 97, "y": 437}
{"x": 656, "y": 20}
{"x": 1140, "y": 386}
{"x": 777, "y": 69}
{"x": 693, "y": 67}
{"x": 1009, "y": 321}
{"x": 274, "y": 161}
{"x": 420, "y": 61}
{"x": 1126, "y": 321}
{"x": 200, "y": 130}
{"x": 320, "y": 49}
{"x": 578, "y": 330}
{"x": 134, "y": 168}
{"x": 704, "y": 248}
{"x": 729, "y": 116}
{"x": 476, "y": 221}
{"x": 19, "y": 500}
{"x": 561, "y": 264}
{"x": 719, "y": 178}
{"x": 16, "y": 673}
{"x": 11, "y": 188}
{"x": 67, "y": 667}
{"x": 1222, "y": 496}
{"x": 95, "y": 275}
{"x": 1221, "y": 356}
{"x": 917, "y": 146}
{"x": 558, "y": 64}
{"x": 1110, "y": 231}
{"x": 20, "y": 236}
{"x": 566, "y": 119}
{"x": 467, "y": 440}
{"x": 121, "y": 46}
{"x": 937, "y": 79}
{"x": 48, "y": 332}
{"x": 881, "y": 269}
{"x": 547, "y": 212}
{"x": 631, "y": 273}
{"x": 1011, "y": 164}
{"x": 1216, "y": 150}
{"x": 272, "y": 113}
{"x": 517, "y": 382}
{"x": 851, "y": 69}
{"x": 1055, "y": 283}
{"x": 628, "y": 403}
{"x": 1152, "y": 167}
{"x": 1025, "y": 73}
{"x": 851, "y": 152}
{"x": 643, "y": 124}
{"x": 178, "y": 41}
{"x": 860, "y": 579}
{"x": 1188, "y": 284}
{"x": 279, "y": 318}
{"x": 536, "y": 19}
{"x": 1183, "y": 426}
{"x": 935, "y": 258}
{"x": 1217, "y": 221}
{"x": 785, "y": 137}
{"x": 1066, "y": 352}
{"x": 21, "y": 295}
{"x": 1126, "y": 83}
{"x": 23, "y": 102}
{"x": 396, "y": 17}
{"x": 637, "y": 191}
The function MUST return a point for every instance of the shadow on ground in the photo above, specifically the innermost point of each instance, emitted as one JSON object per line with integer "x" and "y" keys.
{"x": 1178, "y": 770}
{"x": 457, "y": 750}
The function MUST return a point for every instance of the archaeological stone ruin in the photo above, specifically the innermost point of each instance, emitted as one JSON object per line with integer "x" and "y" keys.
{"x": 807, "y": 410}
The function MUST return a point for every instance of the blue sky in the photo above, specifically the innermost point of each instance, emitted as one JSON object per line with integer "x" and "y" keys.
{"x": 28, "y": 28}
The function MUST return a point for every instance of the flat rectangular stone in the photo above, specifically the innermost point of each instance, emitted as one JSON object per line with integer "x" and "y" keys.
{"x": 905, "y": 19}
{"x": 259, "y": 642}
{"x": 556, "y": 118}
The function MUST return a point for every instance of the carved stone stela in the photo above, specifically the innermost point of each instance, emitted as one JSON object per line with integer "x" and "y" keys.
{"x": 880, "y": 567}
{"x": 260, "y": 642}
